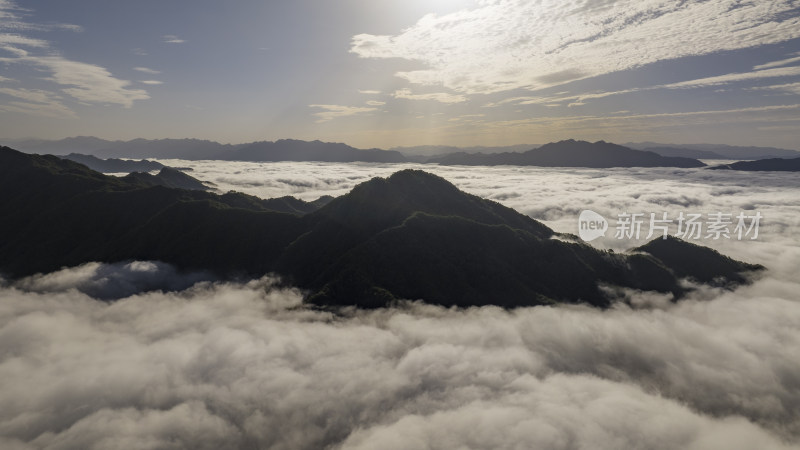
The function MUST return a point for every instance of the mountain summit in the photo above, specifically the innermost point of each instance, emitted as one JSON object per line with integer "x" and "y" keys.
{"x": 571, "y": 153}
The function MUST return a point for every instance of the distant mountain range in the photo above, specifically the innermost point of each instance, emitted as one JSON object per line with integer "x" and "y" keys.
{"x": 190, "y": 149}
{"x": 294, "y": 150}
{"x": 570, "y": 153}
{"x": 715, "y": 151}
{"x": 425, "y": 151}
{"x": 114, "y": 165}
{"x": 77, "y": 144}
{"x": 763, "y": 165}
{"x": 409, "y": 236}
{"x": 138, "y": 172}
{"x": 685, "y": 153}
{"x": 194, "y": 149}
{"x": 167, "y": 177}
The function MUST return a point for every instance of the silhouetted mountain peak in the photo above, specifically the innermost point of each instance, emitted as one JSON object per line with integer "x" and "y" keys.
{"x": 176, "y": 178}
{"x": 296, "y": 150}
{"x": 763, "y": 165}
{"x": 704, "y": 264}
{"x": 168, "y": 177}
{"x": 573, "y": 145}
{"x": 21, "y": 166}
{"x": 409, "y": 189}
{"x": 112, "y": 165}
{"x": 572, "y": 153}
{"x": 414, "y": 182}
{"x": 381, "y": 202}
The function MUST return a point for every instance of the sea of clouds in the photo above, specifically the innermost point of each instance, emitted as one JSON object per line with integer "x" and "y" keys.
{"x": 184, "y": 361}
{"x": 556, "y": 196}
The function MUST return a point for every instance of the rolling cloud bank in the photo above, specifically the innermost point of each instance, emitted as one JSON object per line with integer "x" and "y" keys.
{"x": 183, "y": 361}
{"x": 244, "y": 365}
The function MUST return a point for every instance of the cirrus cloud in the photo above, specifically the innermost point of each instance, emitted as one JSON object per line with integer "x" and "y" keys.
{"x": 505, "y": 44}
{"x": 331, "y": 112}
{"x": 82, "y": 81}
{"x": 172, "y": 39}
{"x": 441, "y": 97}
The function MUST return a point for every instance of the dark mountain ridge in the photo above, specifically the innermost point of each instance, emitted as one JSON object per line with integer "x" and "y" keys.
{"x": 114, "y": 165}
{"x": 77, "y": 144}
{"x": 763, "y": 165}
{"x": 570, "y": 153}
{"x": 191, "y": 149}
{"x": 685, "y": 153}
{"x": 167, "y": 177}
{"x": 718, "y": 151}
{"x": 294, "y": 150}
{"x": 196, "y": 149}
{"x": 412, "y": 235}
{"x": 427, "y": 151}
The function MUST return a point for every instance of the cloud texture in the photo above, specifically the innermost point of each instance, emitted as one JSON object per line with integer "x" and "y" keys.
{"x": 556, "y": 196}
{"x": 508, "y": 44}
{"x": 83, "y": 82}
{"x": 245, "y": 365}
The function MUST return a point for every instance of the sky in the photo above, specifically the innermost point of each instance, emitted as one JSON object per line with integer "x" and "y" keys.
{"x": 403, "y": 72}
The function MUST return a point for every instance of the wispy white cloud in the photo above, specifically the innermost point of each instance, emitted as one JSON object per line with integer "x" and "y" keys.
{"x": 12, "y": 20}
{"x": 52, "y": 109}
{"x": 369, "y": 91}
{"x": 632, "y": 124}
{"x": 146, "y": 70}
{"x": 13, "y": 40}
{"x": 16, "y": 51}
{"x": 687, "y": 114}
{"x": 82, "y": 81}
{"x": 336, "y": 111}
{"x": 33, "y": 95}
{"x": 375, "y": 103}
{"x": 89, "y": 82}
{"x": 507, "y": 44}
{"x": 152, "y": 82}
{"x": 520, "y": 100}
{"x": 441, "y": 97}
{"x": 790, "y": 88}
{"x": 172, "y": 39}
{"x": 469, "y": 118}
{"x": 580, "y": 99}
{"x": 782, "y": 62}
{"x": 85, "y": 82}
{"x": 733, "y": 77}
{"x": 36, "y": 102}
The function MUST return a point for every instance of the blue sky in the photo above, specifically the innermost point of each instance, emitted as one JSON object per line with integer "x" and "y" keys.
{"x": 403, "y": 72}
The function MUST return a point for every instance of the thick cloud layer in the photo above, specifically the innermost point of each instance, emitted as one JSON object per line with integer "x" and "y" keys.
{"x": 556, "y": 196}
{"x": 246, "y": 365}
